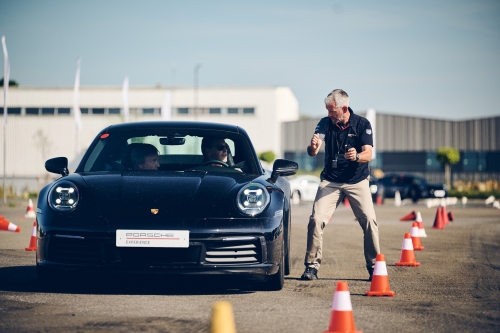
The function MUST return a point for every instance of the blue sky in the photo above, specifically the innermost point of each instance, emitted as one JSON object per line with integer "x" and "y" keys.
{"x": 436, "y": 59}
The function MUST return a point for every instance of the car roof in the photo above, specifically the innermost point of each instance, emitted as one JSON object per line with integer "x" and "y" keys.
{"x": 173, "y": 125}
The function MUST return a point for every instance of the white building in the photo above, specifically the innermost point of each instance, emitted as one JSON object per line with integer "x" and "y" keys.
{"x": 41, "y": 124}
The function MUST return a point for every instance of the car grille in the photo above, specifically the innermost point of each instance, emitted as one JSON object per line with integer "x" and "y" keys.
{"x": 233, "y": 252}
{"x": 94, "y": 250}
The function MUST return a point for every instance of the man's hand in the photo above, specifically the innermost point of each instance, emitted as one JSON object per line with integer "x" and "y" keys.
{"x": 316, "y": 142}
{"x": 351, "y": 154}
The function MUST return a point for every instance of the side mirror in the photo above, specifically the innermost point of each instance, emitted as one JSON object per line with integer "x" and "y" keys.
{"x": 57, "y": 165}
{"x": 283, "y": 168}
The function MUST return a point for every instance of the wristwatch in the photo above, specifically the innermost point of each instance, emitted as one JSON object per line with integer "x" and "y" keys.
{"x": 357, "y": 158}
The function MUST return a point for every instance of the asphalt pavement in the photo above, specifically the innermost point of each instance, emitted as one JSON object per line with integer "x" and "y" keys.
{"x": 456, "y": 287}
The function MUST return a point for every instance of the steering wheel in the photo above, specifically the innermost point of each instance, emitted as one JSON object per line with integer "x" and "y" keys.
{"x": 223, "y": 164}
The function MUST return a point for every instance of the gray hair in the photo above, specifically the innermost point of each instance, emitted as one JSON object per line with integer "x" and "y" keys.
{"x": 338, "y": 96}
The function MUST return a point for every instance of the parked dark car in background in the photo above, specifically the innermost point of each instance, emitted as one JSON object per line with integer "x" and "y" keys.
{"x": 188, "y": 217}
{"x": 409, "y": 187}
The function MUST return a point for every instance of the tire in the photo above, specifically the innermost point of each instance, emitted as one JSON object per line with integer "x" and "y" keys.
{"x": 414, "y": 196}
{"x": 288, "y": 264}
{"x": 277, "y": 281}
{"x": 295, "y": 198}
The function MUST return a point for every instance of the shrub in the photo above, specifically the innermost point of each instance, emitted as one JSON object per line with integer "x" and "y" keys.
{"x": 267, "y": 156}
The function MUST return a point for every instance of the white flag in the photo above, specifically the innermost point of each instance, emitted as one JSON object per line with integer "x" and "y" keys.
{"x": 166, "y": 107}
{"x": 6, "y": 79}
{"x": 76, "y": 98}
{"x": 125, "y": 99}
{"x": 371, "y": 115}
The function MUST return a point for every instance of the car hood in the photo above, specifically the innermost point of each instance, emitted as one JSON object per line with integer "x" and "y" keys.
{"x": 147, "y": 200}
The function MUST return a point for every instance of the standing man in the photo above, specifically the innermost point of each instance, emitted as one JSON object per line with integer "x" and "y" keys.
{"x": 348, "y": 149}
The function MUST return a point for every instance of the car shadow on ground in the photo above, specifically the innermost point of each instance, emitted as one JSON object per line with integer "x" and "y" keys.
{"x": 24, "y": 279}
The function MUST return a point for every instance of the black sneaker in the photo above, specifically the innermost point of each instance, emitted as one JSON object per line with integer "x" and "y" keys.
{"x": 370, "y": 271}
{"x": 310, "y": 273}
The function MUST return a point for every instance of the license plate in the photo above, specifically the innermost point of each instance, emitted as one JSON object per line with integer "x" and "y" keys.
{"x": 152, "y": 238}
{"x": 439, "y": 193}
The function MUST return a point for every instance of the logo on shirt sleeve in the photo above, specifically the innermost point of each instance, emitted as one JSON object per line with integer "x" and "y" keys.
{"x": 369, "y": 131}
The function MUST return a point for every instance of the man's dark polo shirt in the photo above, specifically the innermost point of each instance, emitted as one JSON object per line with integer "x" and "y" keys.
{"x": 357, "y": 133}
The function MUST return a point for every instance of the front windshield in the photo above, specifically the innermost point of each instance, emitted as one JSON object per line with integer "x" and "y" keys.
{"x": 120, "y": 151}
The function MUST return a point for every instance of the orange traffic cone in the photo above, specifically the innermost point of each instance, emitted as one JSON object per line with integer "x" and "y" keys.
{"x": 341, "y": 318}
{"x": 30, "y": 212}
{"x": 415, "y": 237}
{"x": 407, "y": 256}
{"x": 438, "y": 220}
{"x": 421, "y": 229}
{"x": 8, "y": 226}
{"x": 378, "y": 200}
{"x": 450, "y": 217}
{"x": 409, "y": 217}
{"x": 444, "y": 215}
{"x": 32, "y": 246}
{"x": 346, "y": 202}
{"x": 380, "y": 280}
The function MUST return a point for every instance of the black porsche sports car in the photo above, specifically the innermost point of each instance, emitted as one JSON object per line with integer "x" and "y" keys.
{"x": 187, "y": 217}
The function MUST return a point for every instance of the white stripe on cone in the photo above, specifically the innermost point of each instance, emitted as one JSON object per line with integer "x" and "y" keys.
{"x": 414, "y": 232}
{"x": 407, "y": 244}
{"x": 12, "y": 227}
{"x": 33, "y": 232}
{"x": 419, "y": 217}
{"x": 380, "y": 268}
{"x": 342, "y": 301}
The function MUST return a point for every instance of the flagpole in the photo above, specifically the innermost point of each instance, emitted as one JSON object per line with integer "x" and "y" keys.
{"x": 76, "y": 106}
{"x": 6, "y": 79}
{"x": 4, "y": 164}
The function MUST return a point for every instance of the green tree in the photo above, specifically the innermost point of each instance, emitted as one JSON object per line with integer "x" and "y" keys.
{"x": 267, "y": 156}
{"x": 12, "y": 83}
{"x": 448, "y": 156}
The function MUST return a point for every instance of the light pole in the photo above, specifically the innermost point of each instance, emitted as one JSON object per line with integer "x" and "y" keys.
{"x": 195, "y": 109}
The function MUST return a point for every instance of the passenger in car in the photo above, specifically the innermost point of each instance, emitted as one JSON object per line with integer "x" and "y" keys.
{"x": 145, "y": 157}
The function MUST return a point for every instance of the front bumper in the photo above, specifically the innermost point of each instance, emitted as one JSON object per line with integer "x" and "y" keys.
{"x": 248, "y": 255}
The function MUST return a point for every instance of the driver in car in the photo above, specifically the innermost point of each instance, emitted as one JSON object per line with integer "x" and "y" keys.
{"x": 215, "y": 151}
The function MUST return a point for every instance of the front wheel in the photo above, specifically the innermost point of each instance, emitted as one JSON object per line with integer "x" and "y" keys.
{"x": 277, "y": 281}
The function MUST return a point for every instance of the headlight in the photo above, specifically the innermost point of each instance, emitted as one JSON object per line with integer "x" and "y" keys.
{"x": 252, "y": 199}
{"x": 373, "y": 188}
{"x": 64, "y": 196}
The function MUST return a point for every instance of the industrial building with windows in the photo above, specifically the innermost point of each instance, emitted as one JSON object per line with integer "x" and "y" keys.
{"x": 406, "y": 144}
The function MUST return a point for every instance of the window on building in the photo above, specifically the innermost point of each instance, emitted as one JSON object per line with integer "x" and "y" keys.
{"x": 431, "y": 162}
{"x": 469, "y": 161}
{"x": 97, "y": 111}
{"x": 232, "y": 110}
{"x": 214, "y": 111}
{"x": 32, "y": 111}
{"x": 63, "y": 111}
{"x": 84, "y": 110}
{"x": 182, "y": 110}
{"x": 148, "y": 111}
{"x": 248, "y": 110}
{"x": 114, "y": 111}
{"x": 48, "y": 111}
{"x": 13, "y": 111}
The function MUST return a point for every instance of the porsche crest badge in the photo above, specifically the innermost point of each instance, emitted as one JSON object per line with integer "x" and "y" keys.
{"x": 154, "y": 211}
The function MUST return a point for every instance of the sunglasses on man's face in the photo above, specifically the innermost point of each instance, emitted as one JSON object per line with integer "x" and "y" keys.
{"x": 221, "y": 147}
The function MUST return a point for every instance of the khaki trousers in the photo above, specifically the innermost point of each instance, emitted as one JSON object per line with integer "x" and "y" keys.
{"x": 328, "y": 197}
